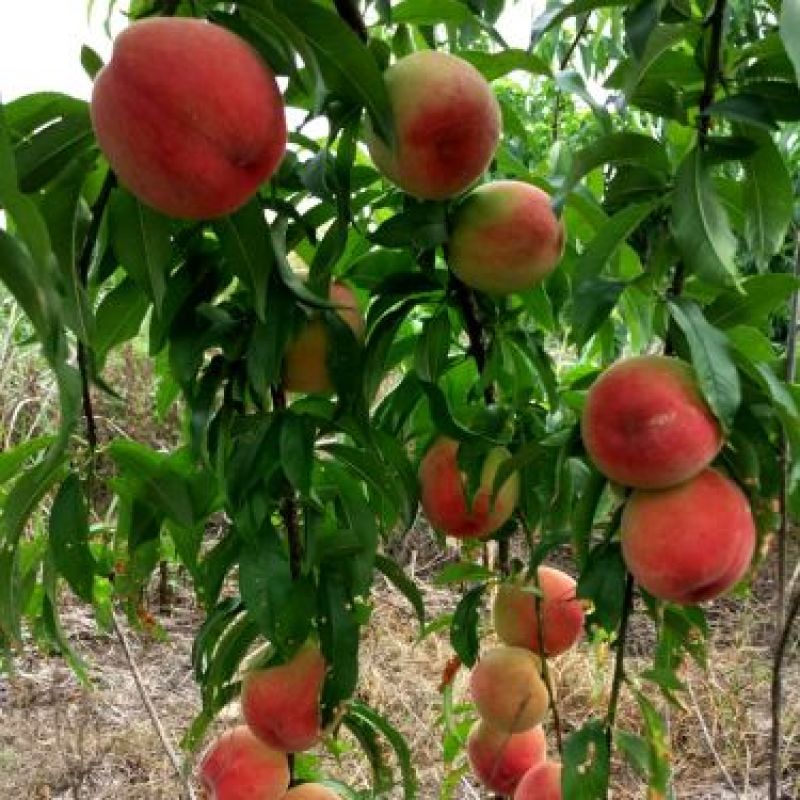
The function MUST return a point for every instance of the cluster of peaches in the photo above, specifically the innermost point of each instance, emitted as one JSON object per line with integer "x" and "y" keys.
{"x": 281, "y": 708}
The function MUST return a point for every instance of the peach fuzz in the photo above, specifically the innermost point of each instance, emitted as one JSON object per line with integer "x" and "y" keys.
{"x": 646, "y": 425}
{"x": 444, "y": 492}
{"x": 517, "y": 622}
{"x": 541, "y": 783}
{"x": 281, "y": 703}
{"x": 690, "y": 543}
{"x": 446, "y": 126}
{"x": 305, "y": 365}
{"x": 239, "y": 766}
{"x": 508, "y": 690}
{"x": 499, "y": 759}
{"x": 311, "y": 791}
{"x": 505, "y": 238}
{"x": 189, "y": 117}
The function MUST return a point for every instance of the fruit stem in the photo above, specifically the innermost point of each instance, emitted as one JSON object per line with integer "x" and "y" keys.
{"x": 619, "y": 665}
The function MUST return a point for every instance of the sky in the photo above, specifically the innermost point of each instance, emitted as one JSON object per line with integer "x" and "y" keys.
{"x": 40, "y": 42}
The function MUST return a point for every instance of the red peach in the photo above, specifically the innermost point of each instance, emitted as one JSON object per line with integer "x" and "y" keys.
{"x": 306, "y": 359}
{"x": 543, "y": 782}
{"x": 505, "y": 238}
{"x": 500, "y": 759}
{"x": 447, "y": 125}
{"x": 691, "y": 542}
{"x": 188, "y": 116}
{"x": 516, "y": 619}
{"x": 646, "y": 425}
{"x": 444, "y": 496}
{"x": 281, "y": 703}
{"x": 508, "y": 691}
{"x": 239, "y": 766}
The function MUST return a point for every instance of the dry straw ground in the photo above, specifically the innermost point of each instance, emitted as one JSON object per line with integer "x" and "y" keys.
{"x": 59, "y": 741}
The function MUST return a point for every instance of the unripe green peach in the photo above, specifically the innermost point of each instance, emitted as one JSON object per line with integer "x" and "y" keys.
{"x": 505, "y": 238}
{"x": 646, "y": 425}
{"x": 447, "y": 126}
{"x": 189, "y": 117}
{"x": 508, "y": 690}
{"x": 691, "y": 542}
{"x": 444, "y": 494}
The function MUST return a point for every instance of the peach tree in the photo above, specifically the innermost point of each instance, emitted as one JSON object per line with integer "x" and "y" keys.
{"x": 381, "y": 258}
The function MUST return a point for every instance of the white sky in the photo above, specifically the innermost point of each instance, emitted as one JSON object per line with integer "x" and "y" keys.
{"x": 40, "y": 42}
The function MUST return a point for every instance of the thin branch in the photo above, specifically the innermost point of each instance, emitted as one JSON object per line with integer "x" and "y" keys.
{"x": 84, "y": 264}
{"x": 713, "y": 67}
{"x": 562, "y": 65}
{"x": 151, "y": 709}
{"x": 348, "y": 10}
{"x": 619, "y": 664}
{"x": 710, "y": 742}
{"x": 557, "y": 727}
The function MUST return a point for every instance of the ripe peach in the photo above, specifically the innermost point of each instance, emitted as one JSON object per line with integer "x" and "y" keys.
{"x": 505, "y": 238}
{"x": 646, "y": 425}
{"x": 516, "y": 620}
{"x": 239, "y": 766}
{"x": 189, "y": 117}
{"x": 447, "y": 125}
{"x": 500, "y": 759}
{"x": 305, "y": 365}
{"x": 508, "y": 690}
{"x": 281, "y": 703}
{"x": 691, "y": 542}
{"x": 443, "y": 493}
{"x": 311, "y": 791}
{"x": 543, "y": 782}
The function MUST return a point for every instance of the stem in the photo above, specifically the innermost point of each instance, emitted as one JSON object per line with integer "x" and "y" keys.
{"x": 713, "y": 67}
{"x": 619, "y": 665}
{"x": 784, "y": 621}
{"x": 475, "y": 333}
{"x": 557, "y": 727}
{"x": 150, "y": 708}
{"x": 348, "y": 10}
{"x": 84, "y": 264}
{"x": 562, "y": 65}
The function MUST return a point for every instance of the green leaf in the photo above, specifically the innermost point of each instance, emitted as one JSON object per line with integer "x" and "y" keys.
{"x": 587, "y": 763}
{"x": 462, "y": 572}
{"x": 90, "y": 61}
{"x": 700, "y": 224}
{"x": 247, "y": 247}
{"x": 594, "y": 300}
{"x": 141, "y": 241}
{"x": 297, "y": 450}
{"x": 602, "y": 580}
{"x": 12, "y": 461}
{"x": 747, "y": 108}
{"x": 770, "y": 199}
{"x": 558, "y": 12}
{"x": 119, "y": 317}
{"x": 497, "y": 65}
{"x": 395, "y": 574}
{"x": 69, "y": 538}
{"x": 711, "y": 359}
{"x": 760, "y": 296}
{"x": 431, "y": 12}
{"x": 790, "y": 32}
{"x": 464, "y": 635}
{"x": 433, "y": 346}
{"x": 346, "y": 63}
{"x": 658, "y": 745}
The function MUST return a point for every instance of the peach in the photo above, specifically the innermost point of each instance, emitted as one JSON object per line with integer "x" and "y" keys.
{"x": 500, "y": 759}
{"x": 646, "y": 425}
{"x": 543, "y": 782}
{"x": 189, "y": 117}
{"x": 444, "y": 492}
{"x": 281, "y": 703}
{"x": 239, "y": 766}
{"x": 517, "y": 622}
{"x": 691, "y": 542}
{"x": 311, "y": 791}
{"x": 505, "y": 238}
{"x": 305, "y": 365}
{"x": 446, "y": 126}
{"x": 508, "y": 690}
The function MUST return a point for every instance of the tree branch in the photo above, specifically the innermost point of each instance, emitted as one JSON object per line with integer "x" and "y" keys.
{"x": 348, "y": 10}
{"x": 619, "y": 664}
{"x": 557, "y": 727}
{"x": 713, "y": 67}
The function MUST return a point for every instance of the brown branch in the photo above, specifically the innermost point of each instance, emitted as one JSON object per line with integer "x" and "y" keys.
{"x": 151, "y": 709}
{"x": 348, "y": 10}
{"x": 713, "y": 67}
{"x": 619, "y": 665}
